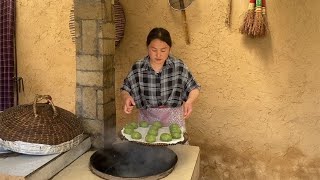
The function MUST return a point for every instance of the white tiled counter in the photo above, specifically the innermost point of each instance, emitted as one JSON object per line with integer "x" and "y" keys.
{"x": 20, "y": 166}
{"x": 187, "y": 167}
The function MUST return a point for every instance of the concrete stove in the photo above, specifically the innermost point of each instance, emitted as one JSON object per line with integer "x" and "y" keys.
{"x": 187, "y": 167}
{"x": 74, "y": 164}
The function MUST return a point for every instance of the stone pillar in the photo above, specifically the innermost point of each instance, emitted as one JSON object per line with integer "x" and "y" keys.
{"x": 95, "y": 48}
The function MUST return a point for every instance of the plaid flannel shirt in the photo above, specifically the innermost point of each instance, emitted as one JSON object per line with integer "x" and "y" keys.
{"x": 169, "y": 88}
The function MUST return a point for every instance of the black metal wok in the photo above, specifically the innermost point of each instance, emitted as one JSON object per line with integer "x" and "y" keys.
{"x": 133, "y": 161}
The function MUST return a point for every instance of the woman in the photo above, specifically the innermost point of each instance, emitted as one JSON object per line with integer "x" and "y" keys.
{"x": 160, "y": 85}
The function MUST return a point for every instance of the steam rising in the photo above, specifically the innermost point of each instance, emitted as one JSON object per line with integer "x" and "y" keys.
{"x": 110, "y": 136}
{"x": 133, "y": 160}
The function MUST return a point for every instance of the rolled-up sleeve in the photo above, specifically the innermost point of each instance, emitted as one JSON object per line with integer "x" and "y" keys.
{"x": 191, "y": 83}
{"x": 126, "y": 86}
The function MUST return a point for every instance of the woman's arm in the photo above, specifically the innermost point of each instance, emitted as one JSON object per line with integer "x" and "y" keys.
{"x": 193, "y": 95}
{"x": 127, "y": 101}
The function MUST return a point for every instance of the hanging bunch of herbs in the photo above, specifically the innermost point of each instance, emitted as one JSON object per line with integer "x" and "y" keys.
{"x": 255, "y": 21}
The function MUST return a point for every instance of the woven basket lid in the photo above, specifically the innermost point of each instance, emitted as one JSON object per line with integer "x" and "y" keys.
{"x": 41, "y": 123}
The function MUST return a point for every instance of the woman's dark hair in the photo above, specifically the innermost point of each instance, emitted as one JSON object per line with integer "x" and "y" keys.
{"x": 159, "y": 33}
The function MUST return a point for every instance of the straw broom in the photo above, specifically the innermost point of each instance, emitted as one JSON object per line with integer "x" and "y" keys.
{"x": 248, "y": 19}
{"x": 264, "y": 14}
{"x": 258, "y": 28}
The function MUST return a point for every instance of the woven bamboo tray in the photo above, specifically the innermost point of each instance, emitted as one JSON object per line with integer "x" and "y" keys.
{"x": 39, "y": 128}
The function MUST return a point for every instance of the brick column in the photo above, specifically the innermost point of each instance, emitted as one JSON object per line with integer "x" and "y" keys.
{"x": 95, "y": 48}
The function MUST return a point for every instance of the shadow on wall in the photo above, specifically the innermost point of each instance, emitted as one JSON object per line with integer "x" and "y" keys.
{"x": 262, "y": 47}
{"x": 222, "y": 162}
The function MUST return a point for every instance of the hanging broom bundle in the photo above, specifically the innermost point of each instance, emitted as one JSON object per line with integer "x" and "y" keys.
{"x": 264, "y": 14}
{"x": 259, "y": 26}
{"x": 248, "y": 19}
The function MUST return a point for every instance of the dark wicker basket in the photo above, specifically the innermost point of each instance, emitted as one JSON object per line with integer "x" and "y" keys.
{"x": 39, "y": 123}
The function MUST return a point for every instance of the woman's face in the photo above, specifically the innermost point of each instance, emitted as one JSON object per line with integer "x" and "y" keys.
{"x": 158, "y": 51}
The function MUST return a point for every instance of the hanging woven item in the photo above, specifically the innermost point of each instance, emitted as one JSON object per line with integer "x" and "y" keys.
{"x": 72, "y": 26}
{"x": 39, "y": 128}
{"x": 259, "y": 27}
{"x": 264, "y": 14}
{"x": 229, "y": 12}
{"x": 248, "y": 20}
{"x": 119, "y": 21}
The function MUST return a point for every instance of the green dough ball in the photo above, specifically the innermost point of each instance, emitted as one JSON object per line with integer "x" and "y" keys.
{"x": 128, "y": 126}
{"x": 153, "y": 132}
{"x": 175, "y": 130}
{"x": 134, "y": 125}
{"x": 154, "y": 127}
{"x": 176, "y": 135}
{"x": 136, "y": 135}
{"x": 157, "y": 123}
{"x": 174, "y": 125}
{"x": 150, "y": 138}
{"x": 128, "y": 131}
{"x": 165, "y": 137}
{"x": 144, "y": 124}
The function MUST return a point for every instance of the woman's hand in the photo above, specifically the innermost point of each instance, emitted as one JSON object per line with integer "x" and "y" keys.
{"x": 128, "y": 105}
{"x": 128, "y": 102}
{"x": 187, "y": 109}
